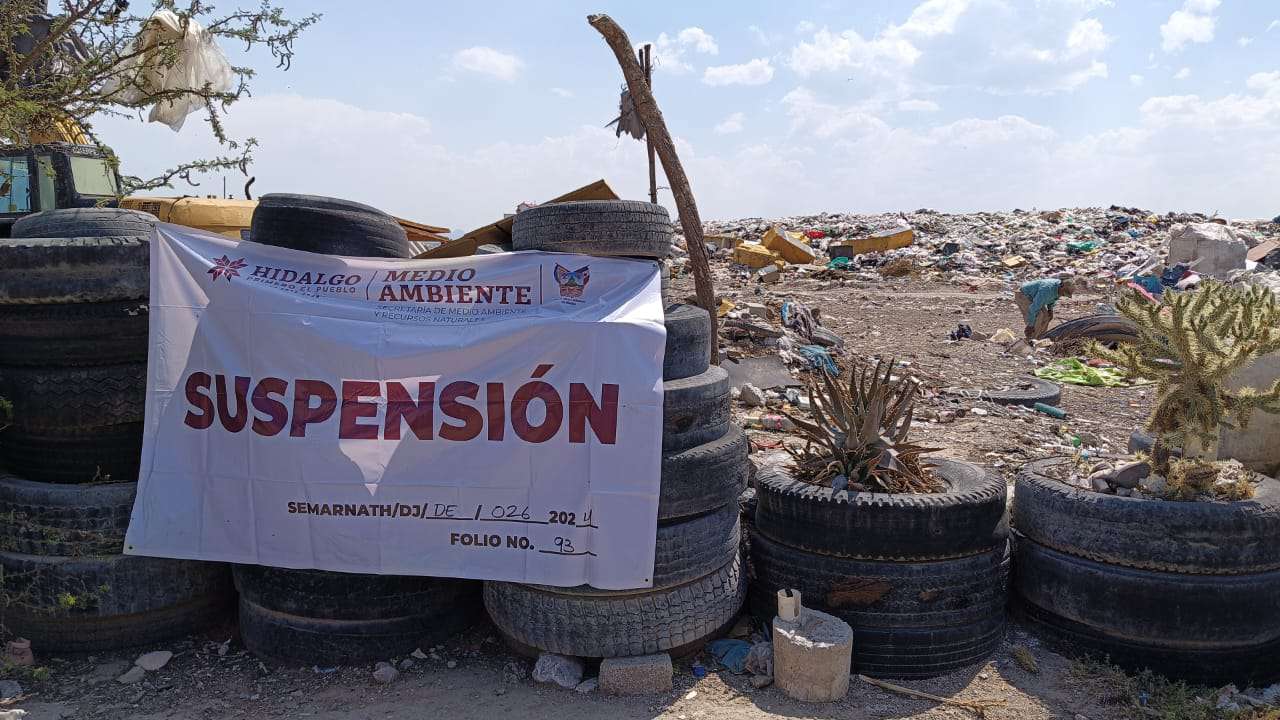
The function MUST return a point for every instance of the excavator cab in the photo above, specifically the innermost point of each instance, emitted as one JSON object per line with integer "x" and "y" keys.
{"x": 53, "y": 175}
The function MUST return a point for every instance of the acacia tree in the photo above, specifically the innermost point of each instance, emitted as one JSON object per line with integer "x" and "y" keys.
{"x": 79, "y": 63}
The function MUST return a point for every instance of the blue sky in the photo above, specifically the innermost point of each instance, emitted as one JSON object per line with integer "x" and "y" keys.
{"x": 453, "y": 113}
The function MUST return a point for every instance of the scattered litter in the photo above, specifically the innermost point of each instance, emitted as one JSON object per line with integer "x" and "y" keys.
{"x": 1074, "y": 372}
{"x": 732, "y": 654}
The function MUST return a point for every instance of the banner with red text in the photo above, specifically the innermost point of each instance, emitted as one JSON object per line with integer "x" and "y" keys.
{"x": 494, "y": 417}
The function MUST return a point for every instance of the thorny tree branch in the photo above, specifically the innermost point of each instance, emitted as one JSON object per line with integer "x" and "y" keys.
{"x": 68, "y": 75}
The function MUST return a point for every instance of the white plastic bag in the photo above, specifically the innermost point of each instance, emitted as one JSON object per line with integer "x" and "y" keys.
{"x": 200, "y": 63}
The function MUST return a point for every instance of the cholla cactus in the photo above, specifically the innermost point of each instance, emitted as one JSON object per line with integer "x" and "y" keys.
{"x": 1190, "y": 344}
{"x": 861, "y": 434}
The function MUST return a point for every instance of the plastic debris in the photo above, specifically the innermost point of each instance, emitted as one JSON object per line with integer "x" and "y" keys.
{"x": 732, "y": 654}
{"x": 1050, "y": 410}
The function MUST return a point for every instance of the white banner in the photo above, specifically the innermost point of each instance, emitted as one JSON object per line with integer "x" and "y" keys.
{"x": 494, "y": 417}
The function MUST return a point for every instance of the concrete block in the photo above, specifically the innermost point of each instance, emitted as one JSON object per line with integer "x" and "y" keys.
{"x": 1217, "y": 247}
{"x": 642, "y": 675}
{"x": 811, "y": 656}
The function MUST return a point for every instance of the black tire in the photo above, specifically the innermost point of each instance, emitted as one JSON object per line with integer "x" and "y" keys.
{"x": 688, "y": 342}
{"x": 704, "y": 477}
{"x": 74, "y": 334}
{"x": 683, "y": 551}
{"x": 1206, "y": 629}
{"x": 909, "y": 619}
{"x": 964, "y": 520}
{"x": 46, "y": 397}
{"x": 86, "y": 455}
{"x": 1038, "y": 391}
{"x": 328, "y": 226}
{"x": 1102, "y": 328}
{"x": 325, "y": 595}
{"x": 299, "y": 640}
{"x": 695, "y": 410}
{"x": 65, "y": 604}
{"x": 1213, "y": 538}
{"x": 67, "y": 520}
{"x": 42, "y": 271}
{"x": 86, "y": 222}
{"x": 627, "y": 228}
{"x": 614, "y": 625}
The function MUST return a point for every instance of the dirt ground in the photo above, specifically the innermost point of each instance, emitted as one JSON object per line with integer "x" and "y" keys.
{"x": 905, "y": 318}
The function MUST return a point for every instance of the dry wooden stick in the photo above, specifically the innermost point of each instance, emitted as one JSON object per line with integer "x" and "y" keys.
{"x": 647, "y": 108}
{"x": 977, "y": 707}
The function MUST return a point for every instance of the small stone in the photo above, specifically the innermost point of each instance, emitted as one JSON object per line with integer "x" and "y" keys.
{"x": 980, "y": 412}
{"x": 1099, "y": 484}
{"x": 983, "y": 676}
{"x": 133, "y": 675}
{"x": 769, "y": 274}
{"x": 1100, "y": 468}
{"x": 107, "y": 671}
{"x": 640, "y": 675}
{"x": 153, "y": 661}
{"x": 418, "y": 654}
{"x": 840, "y": 482}
{"x": 757, "y": 310}
{"x": 406, "y": 664}
{"x": 944, "y": 417}
{"x": 9, "y": 689}
{"x": 750, "y": 395}
{"x": 451, "y": 664}
{"x": 1124, "y": 492}
{"x": 691, "y": 695}
{"x": 589, "y": 685}
{"x": 1130, "y": 474}
{"x": 384, "y": 673}
{"x": 761, "y": 681}
{"x": 1155, "y": 485}
{"x": 559, "y": 669}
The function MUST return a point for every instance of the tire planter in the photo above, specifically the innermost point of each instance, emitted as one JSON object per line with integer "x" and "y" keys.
{"x": 1188, "y": 589}
{"x": 688, "y": 342}
{"x": 921, "y": 579}
{"x": 625, "y": 228}
{"x": 327, "y": 226}
{"x": 329, "y": 618}
{"x": 695, "y": 410}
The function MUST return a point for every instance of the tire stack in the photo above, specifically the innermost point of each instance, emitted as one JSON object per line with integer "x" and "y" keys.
{"x": 73, "y": 353}
{"x": 921, "y": 578}
{"x": 699, "y": 580}
{"x": 1190, "y": 590}
{"x": 317, "y": 617}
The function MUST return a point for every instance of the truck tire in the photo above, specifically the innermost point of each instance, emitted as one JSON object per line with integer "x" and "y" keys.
{"x": 86, "y": 222}
{"x": 910, "y": 619}
{"x": 41, "y": 271}
{"x": 641, "y": 622}
{"x": 328, "y": 226}
{"x": 688, "y": 342}
{"x": 695, "y": 410}
{"x": 1193, "y": 538}
{"x": 47, "y": 397}
{"x": 625, "y": 228}
{"x": 704, "y": 477}
{"x": 76, "y": 456}
{"x": 106, "y": 333}
{"x": 67, "y": 520}
{"x": 966, "y": 519}
{"x": 1204, "y": 629}
{"x": 86, "y": 604}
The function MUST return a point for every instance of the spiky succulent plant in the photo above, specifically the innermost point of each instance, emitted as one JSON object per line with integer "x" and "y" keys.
{"x": 860, "y": 429}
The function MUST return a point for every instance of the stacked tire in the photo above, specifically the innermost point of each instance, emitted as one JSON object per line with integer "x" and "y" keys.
{"x": 699, "y": 580}
{"x": 330, "y": 618}
{"x": 1190, "y": 590}
{"x": 921, "y": 578}
{"x": 73, "y": 350}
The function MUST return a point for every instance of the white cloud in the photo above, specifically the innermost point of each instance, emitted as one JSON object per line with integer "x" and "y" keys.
{"x": 988, "y": 45}
{"x": 918, "y": 106}
{"x": 760, "y": 35}
{"x": 1194, "y": 23}
{"x": 1182, "y": 74}
{"x": 487, "y": 61}
{"x": 669, "y": 52}
{"x": 1244, "y": 41}
{"x": 562, "y": 92}
{"x": 1274, "y": 24}
{"x": 805, "y": 26}
{"x": 730, "y": 125}
{"x": 1136, "y": 80}
{"x": 754, "y": 72}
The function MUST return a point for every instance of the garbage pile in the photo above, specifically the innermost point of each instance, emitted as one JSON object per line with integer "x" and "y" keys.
{"x": 976, "y": 249}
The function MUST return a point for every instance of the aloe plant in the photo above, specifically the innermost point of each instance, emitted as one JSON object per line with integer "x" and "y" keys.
{"x": 860, "y": 431}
